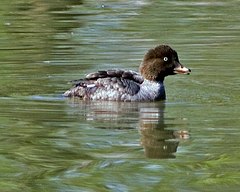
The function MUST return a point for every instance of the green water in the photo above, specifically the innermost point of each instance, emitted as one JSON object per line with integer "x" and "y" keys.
{"x": 50, "y": 143}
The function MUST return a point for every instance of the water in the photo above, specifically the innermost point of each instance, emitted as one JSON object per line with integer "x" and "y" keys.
{"x": 50, "y": 143}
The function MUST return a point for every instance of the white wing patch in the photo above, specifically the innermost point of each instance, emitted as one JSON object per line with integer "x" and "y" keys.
{"x": 91, "y": 85}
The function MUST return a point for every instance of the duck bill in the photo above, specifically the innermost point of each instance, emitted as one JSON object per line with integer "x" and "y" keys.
{"x": 180, "y": 69}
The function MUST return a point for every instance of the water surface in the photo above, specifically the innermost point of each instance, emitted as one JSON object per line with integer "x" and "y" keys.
{"x": 190, "y": 142}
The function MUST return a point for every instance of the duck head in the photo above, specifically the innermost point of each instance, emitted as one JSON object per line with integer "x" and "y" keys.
{"x": 160, "y": 62}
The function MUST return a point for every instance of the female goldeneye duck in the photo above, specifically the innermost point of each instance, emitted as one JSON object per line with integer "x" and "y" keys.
{"x": 127, "y": 85}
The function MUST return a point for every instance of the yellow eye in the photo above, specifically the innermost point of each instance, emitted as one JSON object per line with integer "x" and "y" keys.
{"x": 165, "y": 59}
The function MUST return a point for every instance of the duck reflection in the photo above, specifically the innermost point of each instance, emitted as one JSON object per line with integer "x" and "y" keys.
{"x": 157, "y": 140}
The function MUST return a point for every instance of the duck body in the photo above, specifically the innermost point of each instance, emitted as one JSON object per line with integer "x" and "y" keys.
{"x": 116, "y": 85}
{"x": 127, "y": 85}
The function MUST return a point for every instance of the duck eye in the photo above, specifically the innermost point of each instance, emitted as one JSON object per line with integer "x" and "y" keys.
{"x": 165, "y": 59}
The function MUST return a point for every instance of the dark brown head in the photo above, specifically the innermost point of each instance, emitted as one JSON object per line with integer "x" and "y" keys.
{"x": 160, "y": 62}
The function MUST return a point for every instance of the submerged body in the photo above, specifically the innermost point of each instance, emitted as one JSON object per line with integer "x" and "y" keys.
{"x": 127, "y": 85}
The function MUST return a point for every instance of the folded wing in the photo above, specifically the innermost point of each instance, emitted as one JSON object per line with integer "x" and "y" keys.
{"x": 109, "y": 85}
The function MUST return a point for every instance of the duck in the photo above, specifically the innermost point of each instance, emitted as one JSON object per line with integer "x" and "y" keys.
{"x": 128, "y": 85}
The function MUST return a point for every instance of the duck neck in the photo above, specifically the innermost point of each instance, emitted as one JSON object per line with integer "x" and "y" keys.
{"x": 161, "y": 91}
{"x": 156, "y": 88}
{"x": 160, "y": 79}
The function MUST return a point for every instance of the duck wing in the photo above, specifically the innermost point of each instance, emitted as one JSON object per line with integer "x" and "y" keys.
{"x": 111, "y": 84}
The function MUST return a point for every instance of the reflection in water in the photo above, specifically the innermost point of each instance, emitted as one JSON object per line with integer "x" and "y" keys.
{"x": 157, "y": 141}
